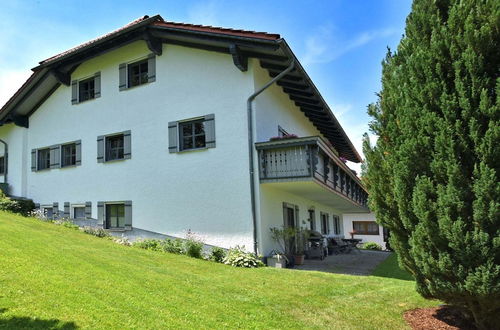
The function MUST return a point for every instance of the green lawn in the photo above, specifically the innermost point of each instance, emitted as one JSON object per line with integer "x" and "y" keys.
{"x": 390, "y": 268}
{"x": 55, "y": 277}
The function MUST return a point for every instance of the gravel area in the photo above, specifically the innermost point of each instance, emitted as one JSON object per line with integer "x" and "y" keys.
{"x": 358, "y": 262}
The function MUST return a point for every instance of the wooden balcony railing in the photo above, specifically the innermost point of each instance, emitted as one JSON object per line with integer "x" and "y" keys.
{"x": 309, "y": 158}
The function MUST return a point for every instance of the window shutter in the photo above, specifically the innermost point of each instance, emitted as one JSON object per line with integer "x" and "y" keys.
{"x": 100, "y": 149}
{"x": 33, "y": 160}
{"x": 88, "y": 210}
{"x": 128, "y": 214}
{"x": 151, "y": 67}
{"x": 74, "y": 92}
{"x": 173, "y": 137}
{"x": 123, "y": 76}
{"x": 97, "y": 84}
{"x": 55, "y": 210}
{"x": 37, "y": 206}
{"x": 127, "y": 144}
{"x": 66, "y": 209}
{"x": 100, "y": 214}
{"x": 78, "y": 146}
{"x": 296, "y": 217}
{"x": 55, "y": 156}
{"x": 284, "y": 215}
{"x": 210, "y": 131}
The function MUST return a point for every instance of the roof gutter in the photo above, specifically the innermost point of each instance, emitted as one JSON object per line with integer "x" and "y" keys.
{"x": 251, "y": 148}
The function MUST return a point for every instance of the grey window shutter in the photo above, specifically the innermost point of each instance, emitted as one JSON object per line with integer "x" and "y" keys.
{"x": 97, "y": 84}
{"x": 297, "y": 224}
{"x": 66, "y": 209}
{"x": 33, "y": 160}
{"x": 37, "y": 206}
{"x": 100, "y": 149}
{"x": 173, "y": 137}
{"x": 88, "y": 210}
{"x": 78, "y": 146}
{"x": 55, "y": 210}
{"x": 151, "y": 67}
{"x": 128, "y": 214}
{"x": 123, "y": 76}
{"x": 74, "y": 92}
{"x": 100, "y": 214}
{"x": 55, "y": 156}
{"x": 210, "y": 131}
{"x": 127, "y": 144}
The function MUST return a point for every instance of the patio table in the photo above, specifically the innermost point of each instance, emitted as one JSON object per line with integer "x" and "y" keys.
{"x": 353, "y": 242}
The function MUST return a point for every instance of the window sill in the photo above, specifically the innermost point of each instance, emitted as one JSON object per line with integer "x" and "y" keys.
{"x": 68, "y": 166}
{"x": 115, "y": 160}
{"x": 134, "y": 87}
{"x": 194, "y": 149}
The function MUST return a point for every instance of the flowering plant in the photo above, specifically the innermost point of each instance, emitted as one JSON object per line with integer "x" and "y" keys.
{"x": 284, "y": 137}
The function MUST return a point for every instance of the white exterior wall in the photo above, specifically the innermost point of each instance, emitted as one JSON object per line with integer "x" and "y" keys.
{"x": 271, "y": 203}
{"x": 16, "y": 139}
{"x": 350, "y": 217}
{"x": 206, "y": 191}
{"x": 273, "y": 107}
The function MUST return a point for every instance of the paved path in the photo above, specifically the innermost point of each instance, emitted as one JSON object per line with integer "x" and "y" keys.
{"x": 361, "y": 262}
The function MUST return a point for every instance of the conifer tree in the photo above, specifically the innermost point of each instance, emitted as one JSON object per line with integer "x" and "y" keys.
{"x": 433, "y": 174}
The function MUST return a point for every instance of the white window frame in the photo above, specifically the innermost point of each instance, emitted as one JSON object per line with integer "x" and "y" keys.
{"x": 72, "y": 210}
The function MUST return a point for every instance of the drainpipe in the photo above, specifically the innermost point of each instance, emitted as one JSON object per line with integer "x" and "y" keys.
{"x": 251, "y": 147}
{"x": 5, "y": 159}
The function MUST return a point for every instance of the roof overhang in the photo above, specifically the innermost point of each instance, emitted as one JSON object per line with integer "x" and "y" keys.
{"x": 273, "y": 53}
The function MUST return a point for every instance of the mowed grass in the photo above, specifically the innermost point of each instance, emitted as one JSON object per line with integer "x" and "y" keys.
{"x": 390, "y": 268}
{"x": 55, "y": 277}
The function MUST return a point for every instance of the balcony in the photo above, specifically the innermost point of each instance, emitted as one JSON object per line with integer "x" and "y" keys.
{"x": 311, "y": 168}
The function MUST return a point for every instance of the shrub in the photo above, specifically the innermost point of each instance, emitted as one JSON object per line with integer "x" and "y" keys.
{"x": 173, "y": 246}
{"x": 149, "y": 244}
{"x": 66, "y": 223}
{"x": 193, "y": 248}
{"x": 217, "y": 254}
{"x": 122, "y": 241}
{"x": 98, "y": 232}
{"x": 20, "y": 206}
{"x": 371, "y": 246}
{"x": 238, "y": 257}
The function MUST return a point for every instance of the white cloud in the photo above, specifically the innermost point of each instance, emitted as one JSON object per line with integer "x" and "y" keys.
{"x": 324, "y": 46}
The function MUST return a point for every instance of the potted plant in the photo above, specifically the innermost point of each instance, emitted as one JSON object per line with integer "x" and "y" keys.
{"x": 302, "y": 235}
{"x": 284, "y": 237}
{"x": 277, "y": 260}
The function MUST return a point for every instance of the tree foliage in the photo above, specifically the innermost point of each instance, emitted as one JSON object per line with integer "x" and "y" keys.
{"x": 433, "y": 174}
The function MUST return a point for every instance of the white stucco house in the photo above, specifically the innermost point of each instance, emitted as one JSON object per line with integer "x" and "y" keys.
{"x": 162, "y": 127}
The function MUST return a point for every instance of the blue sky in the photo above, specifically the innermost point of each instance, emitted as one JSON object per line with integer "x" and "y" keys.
{"x": 341, "y": 43}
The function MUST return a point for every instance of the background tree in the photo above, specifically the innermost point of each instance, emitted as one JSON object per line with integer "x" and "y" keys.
{"x": 433, "y": 175}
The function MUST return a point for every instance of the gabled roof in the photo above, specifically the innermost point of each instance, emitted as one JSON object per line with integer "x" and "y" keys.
{"x": 271, "y": 50}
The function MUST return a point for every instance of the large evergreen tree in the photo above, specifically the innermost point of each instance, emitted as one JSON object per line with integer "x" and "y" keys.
{"x": 433, "y": 174}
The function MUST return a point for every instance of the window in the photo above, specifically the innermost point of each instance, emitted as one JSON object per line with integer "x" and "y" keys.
{"x": 114, "y": 147}
{"x": 365, "y": 227}
{"x": 48, "y": 211}
{"x": 312, "y": 220}
{"x": 138, "y": 73}
{"x": 196, "y": 133}
{"x": 325, "y": 229}
{"x": 43, "y": 159}
{"x": 68, "y": 154}
{"x": 192, "y": 134}
{"x": 79, "y": 212}
{"x": 115, "y": 216}
{"x": 2, "y": 165}
{"x": 336, "y": 225}
{"x": 86, "y": 89}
